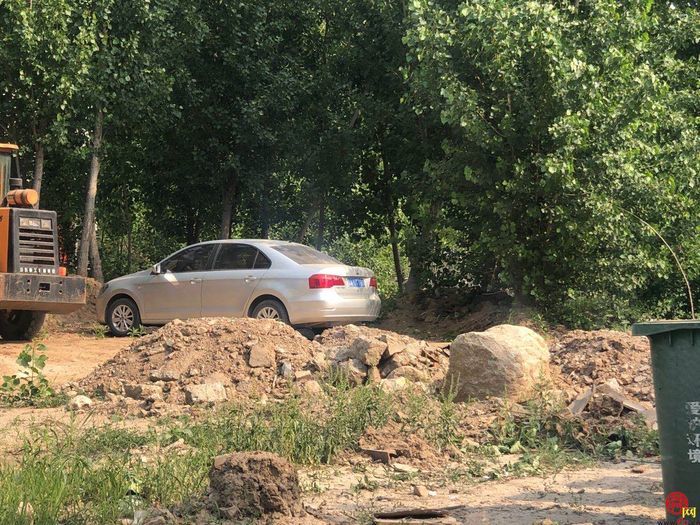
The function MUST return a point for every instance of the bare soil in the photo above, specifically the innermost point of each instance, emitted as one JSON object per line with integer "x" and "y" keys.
{"x": 220, "y": 351}
{"x": 610, "y": 494}
{"x": 70, "y": 356}
{"x": 83, "y": 321}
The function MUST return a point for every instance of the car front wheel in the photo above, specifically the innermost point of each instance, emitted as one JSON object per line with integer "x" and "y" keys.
{"x": 122, "y": 316}
{"x": 270, "y": 309}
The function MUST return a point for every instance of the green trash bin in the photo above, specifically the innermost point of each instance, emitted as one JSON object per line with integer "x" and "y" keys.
{"x": 675, "y": 361}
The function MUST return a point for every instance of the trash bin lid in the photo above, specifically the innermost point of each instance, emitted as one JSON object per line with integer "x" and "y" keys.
{"x": 660, "y": 327}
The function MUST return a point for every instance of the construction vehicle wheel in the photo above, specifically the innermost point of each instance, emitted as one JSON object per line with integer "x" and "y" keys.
{"x": 20, "y": 325}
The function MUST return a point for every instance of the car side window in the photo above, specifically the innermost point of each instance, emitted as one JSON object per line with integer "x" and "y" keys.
{"x": 236, "y": 257}
{"x": 193, "y": 259}
{"x": 262, "y": 262}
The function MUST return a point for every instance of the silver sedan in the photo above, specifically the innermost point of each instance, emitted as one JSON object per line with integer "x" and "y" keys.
{"x": 235, "y": 278}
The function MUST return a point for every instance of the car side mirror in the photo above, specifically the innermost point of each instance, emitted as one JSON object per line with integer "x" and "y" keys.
{"x": 156, "y": 269}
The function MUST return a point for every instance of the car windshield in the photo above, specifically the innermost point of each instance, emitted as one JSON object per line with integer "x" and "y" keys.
{"x": 301, "y": 254}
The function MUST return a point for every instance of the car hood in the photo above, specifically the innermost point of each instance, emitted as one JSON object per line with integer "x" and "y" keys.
{"x": 137, "y": 276}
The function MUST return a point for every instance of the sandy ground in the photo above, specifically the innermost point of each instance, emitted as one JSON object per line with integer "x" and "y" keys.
{"x": 70, "y": 356}
{"x": 609, "y": 494}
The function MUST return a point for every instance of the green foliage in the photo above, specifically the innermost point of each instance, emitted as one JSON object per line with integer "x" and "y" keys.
{"x": 505, "y": 145}
{"x": 561, "y": 117}
{"x": 28, "y": 386}
{"x": 371, "y": 253}
{"x": 75, "y": 475}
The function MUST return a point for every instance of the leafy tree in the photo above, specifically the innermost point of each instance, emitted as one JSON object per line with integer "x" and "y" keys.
{"x": 561, "y": 117}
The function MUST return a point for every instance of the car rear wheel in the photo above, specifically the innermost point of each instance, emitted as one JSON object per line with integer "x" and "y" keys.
{"x": 20, "y": 325}
{"x": 270, "y": 309}
{"x": 122, "y": 317}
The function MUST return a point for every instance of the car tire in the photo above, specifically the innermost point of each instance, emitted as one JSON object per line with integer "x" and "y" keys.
{"x": 20, "y": 325}
{"x": 122, "y": 316}
{"x": 270, "y": 309}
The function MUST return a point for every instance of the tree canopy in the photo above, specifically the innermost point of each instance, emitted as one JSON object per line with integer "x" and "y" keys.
{"x": 543, "y": 148}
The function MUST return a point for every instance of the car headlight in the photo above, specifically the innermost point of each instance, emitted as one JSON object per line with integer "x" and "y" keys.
{"x": 104, "y": 288}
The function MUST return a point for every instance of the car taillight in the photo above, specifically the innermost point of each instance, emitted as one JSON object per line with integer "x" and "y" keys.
{"x": 373, "y": 282}
{"x": 323, "y": 280}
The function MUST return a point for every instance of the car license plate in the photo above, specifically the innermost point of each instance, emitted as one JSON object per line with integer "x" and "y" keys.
{"x": 355, "y": 282}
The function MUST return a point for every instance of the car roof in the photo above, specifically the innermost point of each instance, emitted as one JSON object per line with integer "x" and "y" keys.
{"x": 259, "y": 241}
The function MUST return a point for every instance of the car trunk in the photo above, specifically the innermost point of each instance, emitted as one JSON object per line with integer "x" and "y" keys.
{"x": 356, "y": 278}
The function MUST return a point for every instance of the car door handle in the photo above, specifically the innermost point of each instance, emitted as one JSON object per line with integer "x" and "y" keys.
{"x": 250, "y": 278}
{"x": 196, "y": 280}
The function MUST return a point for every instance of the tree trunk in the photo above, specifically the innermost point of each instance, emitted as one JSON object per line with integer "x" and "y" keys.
{"x": 321, "y": 222}
{"x": 95, "y": 256}
{"x": 305, "y": 226}
{"x": 129, "y": 243}
{"x": 391, "y": 216}
{"x": 227, "y": 206}
{"x": 395, "y": 249}
{"x": 265, "y": 219}
{"x": 38, "y": 168}
{"x": 193, "y": 227}
{"x": 89, "y": 216}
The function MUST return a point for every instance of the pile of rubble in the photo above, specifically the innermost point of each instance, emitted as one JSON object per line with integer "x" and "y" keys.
{"x": 379, "y": 356}
{"x": 588, "y": 358}
{"x": 605, "y": 373}
{"x": 207, "y": 360}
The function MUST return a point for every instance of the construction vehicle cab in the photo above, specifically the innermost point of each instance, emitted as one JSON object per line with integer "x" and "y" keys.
{"x": 32, "y": 283}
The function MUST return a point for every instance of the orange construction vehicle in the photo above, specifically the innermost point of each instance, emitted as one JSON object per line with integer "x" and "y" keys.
{"x": 32, "y": 283}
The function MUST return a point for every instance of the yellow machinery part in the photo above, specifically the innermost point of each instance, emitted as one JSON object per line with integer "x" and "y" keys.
{"x": 22, "y": 198}
{"x": 4, "y": 238}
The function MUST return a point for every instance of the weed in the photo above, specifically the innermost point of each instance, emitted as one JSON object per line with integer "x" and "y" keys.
{"x": 28, "y": 386}
{"x": 73, "y": 474}
{"x": 365, "y": 484}
{"x": 446, "y": 432}
{"x": 137, "y": 331}
{"x": 99, "y": 331}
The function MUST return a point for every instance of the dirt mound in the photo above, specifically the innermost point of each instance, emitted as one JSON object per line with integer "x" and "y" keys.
{"x": 593, "y": 358}
{"x": 453, "y": 312}
{"x": 80, "y": 321}
{"x": 373, "y": 355}
{"x": 207, "y": 360}
{"x": 254, "y": 484}
{"x": 403, "y": 446}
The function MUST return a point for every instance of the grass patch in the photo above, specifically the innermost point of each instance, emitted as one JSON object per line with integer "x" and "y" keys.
{"x": 75, "y": 474}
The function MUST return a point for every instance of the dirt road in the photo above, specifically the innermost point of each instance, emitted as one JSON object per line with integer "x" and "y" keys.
{"x": 70, "y": 356}
{"x": 610, "y": 494}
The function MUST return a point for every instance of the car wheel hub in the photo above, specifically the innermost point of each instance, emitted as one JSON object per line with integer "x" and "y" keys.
{"x": 123, "y": 318}
{"x": 268, "y": 313}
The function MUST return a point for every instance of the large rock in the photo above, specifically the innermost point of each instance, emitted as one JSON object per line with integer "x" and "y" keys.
{"x": 503, "y": 361}
{"x": 255, "y": 484}
{"x": 261, "y": 356}
{"x": 205, "y": 393}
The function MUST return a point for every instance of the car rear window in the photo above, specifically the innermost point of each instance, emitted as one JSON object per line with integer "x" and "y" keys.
{"x": 301, "y": 254}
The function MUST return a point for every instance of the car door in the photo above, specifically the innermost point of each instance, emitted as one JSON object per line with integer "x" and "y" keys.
{"x": 176, "y": 292}
{"x": 236, "y": 272}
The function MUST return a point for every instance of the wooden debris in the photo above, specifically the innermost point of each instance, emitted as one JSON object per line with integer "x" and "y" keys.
{"x": 385, "y": 456}
{"x": 416, "y": 517}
